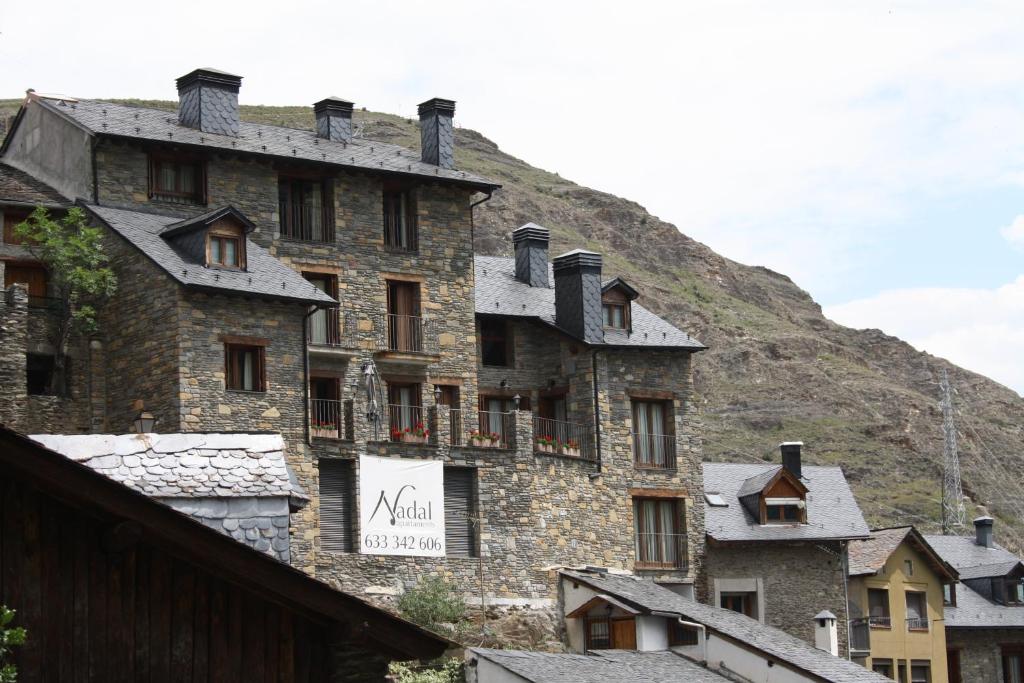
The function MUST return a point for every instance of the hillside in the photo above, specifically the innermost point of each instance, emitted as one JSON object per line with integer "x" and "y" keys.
{"x": 776, "y": 369}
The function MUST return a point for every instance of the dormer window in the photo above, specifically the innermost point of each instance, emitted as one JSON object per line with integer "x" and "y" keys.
{"x": 225, "y": 246}
{"x": 615, "y": 316}
{"x": 775, "y": 496}
{"x": 1013, "y": 589}
{"x": 783, "y": 511}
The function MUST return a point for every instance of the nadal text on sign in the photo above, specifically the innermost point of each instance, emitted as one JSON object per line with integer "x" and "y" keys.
{"x": 401, "y": 506}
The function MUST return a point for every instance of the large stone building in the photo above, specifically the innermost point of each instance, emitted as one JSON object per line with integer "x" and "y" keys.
{"x": 266, "y": 274}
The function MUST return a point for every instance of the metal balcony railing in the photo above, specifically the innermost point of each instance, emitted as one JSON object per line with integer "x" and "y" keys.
{"x": 880, "y": 622}
{"x": 330, "y": 327}
{"x": 654, "y": 450}
{"x": 563, "y": 438}
{"x": 306, "y": 222}
{"x": 406, "y": 424}
{"x": 661, "y": 550}
{"x": 860, "y": 635}
{"x": 406, "y": 334}
{"x": 917, "y": 623}
{"x": 457, "y": 437}
{"x": 331, "y": 419}
{"x": 493, "y": 430}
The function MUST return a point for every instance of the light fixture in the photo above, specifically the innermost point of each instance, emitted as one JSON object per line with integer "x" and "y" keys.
{"x": 144, "y": 422}
{"x": 516, "y": 399}
{"x": 437, "y": 393}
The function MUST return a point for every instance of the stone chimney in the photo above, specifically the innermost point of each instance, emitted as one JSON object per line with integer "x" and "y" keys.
{"x": 334, "y": 119}
{"x": 208, "y": 101}
{"x": 531, "y": 245}
{"x": 437, "y": 136}
{"x": 791, "y": 457}
{"x": 983, "y": 531}
{"x": 578, "y": 295}
{"x": 826, "y": 635}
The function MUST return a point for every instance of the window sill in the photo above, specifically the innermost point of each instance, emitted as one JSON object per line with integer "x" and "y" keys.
{"x": 881, "y": 628}
{"x": 245, "y": 391}
{"x": 301, "y": 240}
{"x": 400, "y": 250}
{"x": 644, "y": 566}
{"x": 918, "y": 630}
{"x": 655, "y": 468}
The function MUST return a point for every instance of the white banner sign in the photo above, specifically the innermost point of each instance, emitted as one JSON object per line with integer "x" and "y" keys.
{"x": 401, "y": 506}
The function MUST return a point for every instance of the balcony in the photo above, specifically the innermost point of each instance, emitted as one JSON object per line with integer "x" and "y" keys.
{"x": 406, "y": 424}
{"x": 880, "y": 622}
{"x": 917, "y": 623}
{"x": 331, "y": 419}
{"x": 660, "y": 551}
{"x": 407, "y": 338}
{"x": 308, "y": 223}
{"x": 654, "y": 451}
{"x": 860, "y": 636}
{"x": 492, "y": 429}
{"x": 331, "y": 334}
{"x": 569, "y": 439}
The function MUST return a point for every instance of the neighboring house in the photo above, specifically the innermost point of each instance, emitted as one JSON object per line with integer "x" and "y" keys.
{"x": 777, "y": 541}
{"x": 985, "y": 611}
{"x": 265, "y": 272}
{"x": 608, "y": 611}
{"x": 897, "y": 588}
{"x": 515, "y": 666}
{"x": 238, "y": 484}
{"x": 113, "y": 585}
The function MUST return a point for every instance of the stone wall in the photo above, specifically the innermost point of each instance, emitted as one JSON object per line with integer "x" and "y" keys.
{"x": 799, "y": 579}
{"x": 13, "y": 340}
{"x": 981, "y": 658}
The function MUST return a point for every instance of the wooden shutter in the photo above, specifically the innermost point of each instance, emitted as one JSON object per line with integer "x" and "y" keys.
{"x": 458, "y": 510}
{"x": 337, "y": 505}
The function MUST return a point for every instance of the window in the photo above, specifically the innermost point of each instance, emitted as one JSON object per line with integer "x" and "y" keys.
{"x": 324, "y": 324}
{"x": 681, "y": 636}
{"x": 953, "y": 666}
{"x": 742, "y": 602}
{"x": 715, "y": 499}
{"x": 654, "y": 445}
{"x": 1013, "y": 589}
{"x": 1013, "y": 663}
{"x": 405, "y": 408}
{"x": 12, "y": 219}
{"x": 949, "y": 594}
{"x": 908, "y": 567}
{"x": 657, "y": 524}
{"x": 599, "y": 633}
{"x": 326, "y": 417}
{"x": 244, "y": 367}
{"x": 920, "y": 672}
{"x": 917, "y": 611}
{"x": 181, "y": 181}
{"x": 306, "y": 209}
{"x": 787, "y": 513}
{"x": 493, "y": 415}
{"x": 615, "y": 316}
{"x": 39, "y": 370}
{"x": 405, "y": 326}
{"x": 225, "y": 245}
{"x": 495, "y": 342}
{"x": 32, "y": 276}
{"x": 399, "y": 220}
{"x": 604, "y": 633}
{"x": 878, "y": 608}
{"x": 882, "y": 666}
{"x": 337, "y": 505}
{"x": 459, "y": 512}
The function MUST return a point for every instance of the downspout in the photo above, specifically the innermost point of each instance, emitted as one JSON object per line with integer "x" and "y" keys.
{"x": 597, "y": 410}
{"x": 95, "y": 172}
{"x": 305, "y": 370}
{"x": 702, "y": 638}
{"x": 844, "y": 564}
{"x": 472, "y": 223}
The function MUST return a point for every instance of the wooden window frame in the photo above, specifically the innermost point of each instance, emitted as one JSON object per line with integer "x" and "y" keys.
{"x": 1008, "y": 650}
{"x": 681, "y": 636}
{"x": 588, "y": 621}
{"x": 232, "y": 368}
{"x": 923, "y": 596}
{"x": 615, "y": 298}
{"x": 346, "y": 541}
{"x": 407, "y": 196}
{"x": 888, "y": 608}
{"x": 749, "y": 602}
{"x": 505, "y": 338}
{"x": 285, "y": 190}
{"x": 782, "y": 519}
{"x": 197, "y": 197}
{"x": 917, "y": 663}
{"x": 678, "y": 531}
{"x": 223, "y": 235}
{"x": 668, "y": 429}
{"x": 12, "y": 218}
{"x": 952, "y": 595}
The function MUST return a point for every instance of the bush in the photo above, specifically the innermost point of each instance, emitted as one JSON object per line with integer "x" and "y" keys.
{"x": 432, "y": 603}
{"x": 9, "y": 637}
{"x": 450, "y": 671}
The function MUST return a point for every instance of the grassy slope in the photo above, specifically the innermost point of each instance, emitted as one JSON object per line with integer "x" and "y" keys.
{"x": 776, "y": 369}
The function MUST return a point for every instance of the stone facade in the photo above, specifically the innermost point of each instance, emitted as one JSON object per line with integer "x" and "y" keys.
{"x": 799, "y": 580}
{"x": 980, "y": 652}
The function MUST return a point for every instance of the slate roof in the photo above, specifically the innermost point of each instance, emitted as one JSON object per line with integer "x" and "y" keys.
{"x": 868, "y": 556}
{"x": 757, "y": 482}
{"x": 264, "y": 276}
{"x": 192, "y": 465}
{"x": 973, "y": 561}
{"x": 103, "y": 118}
{"x": 621, "y": 666}
{"x": 18, "y": 187}
{"x": 973, "y": 610}
{"x": 652, "y": 598}
{"x": 832, "y": 511}
{"x": 498, "y": 292}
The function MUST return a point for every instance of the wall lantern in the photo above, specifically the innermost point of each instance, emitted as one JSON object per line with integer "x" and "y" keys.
{"x": 437, "y": 393}
{"x": 144, "y": 422}
{"x": 516, "y": 399}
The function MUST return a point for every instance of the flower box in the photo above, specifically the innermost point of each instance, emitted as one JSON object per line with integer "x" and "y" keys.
{"x": 413, "y": 438}
{"x": 325, "y": 432}
{"x": 572, "y": 452}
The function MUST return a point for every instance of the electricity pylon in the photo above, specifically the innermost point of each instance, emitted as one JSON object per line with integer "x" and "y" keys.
{"x": 953, "y": 513}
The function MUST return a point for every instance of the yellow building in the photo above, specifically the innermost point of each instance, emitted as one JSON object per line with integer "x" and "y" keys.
{"x": 896, "y": 594}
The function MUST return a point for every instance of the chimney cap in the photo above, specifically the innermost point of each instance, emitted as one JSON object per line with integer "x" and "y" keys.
{"x": 531, "y": 231}
{"x": 825, "y": 614}
{"x": 791, "y": 443}
{"x": 215, "y": 77}
{"x": 438, "y": 104}
{"x": 984, "y": 520}
{"x": 577, "y": 258}
{"x": 333, "y": 103}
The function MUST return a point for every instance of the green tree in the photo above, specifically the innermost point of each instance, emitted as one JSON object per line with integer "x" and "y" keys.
{"x": 76, "y": 265}
{"x": 433, "y": 605}
{"x": 450, "y": 671}
{"x": 10, "y": 636}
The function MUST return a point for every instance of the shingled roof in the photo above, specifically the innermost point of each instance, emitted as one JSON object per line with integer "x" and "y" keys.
{"x": 498, "y": 292}
{"x": 973, "y": 561}
{"x": 158, "y": 125}
{"x": 621, "y": 666}
{"x": 973, "y": 610}
{"x": 264, "y": 276}
{"x": 652, "y": 598}
{"x": 832, "y": 511}
{"x": 20, "y": 189}
{"x": 868, "y": 556}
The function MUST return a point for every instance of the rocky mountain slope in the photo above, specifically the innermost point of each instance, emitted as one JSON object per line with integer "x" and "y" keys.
{"x": 776, "y": 369}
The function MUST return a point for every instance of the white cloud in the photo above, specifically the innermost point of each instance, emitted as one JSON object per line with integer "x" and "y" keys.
{"x": 1014, "y": 232}
{"x": 979, "y": 329}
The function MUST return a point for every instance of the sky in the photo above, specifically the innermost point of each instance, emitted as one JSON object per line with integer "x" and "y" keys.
{"x": 872, "y": 151}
